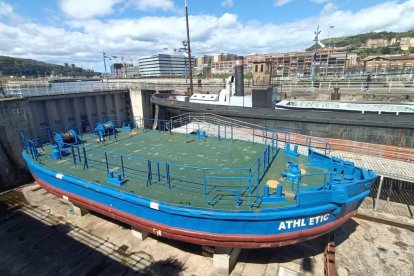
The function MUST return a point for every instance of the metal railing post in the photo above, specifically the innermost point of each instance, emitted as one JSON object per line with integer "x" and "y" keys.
{"x": 106, "y": 162}
{"x": 205, "y": 185}
{"x": 85, "y": 164}
{"x": 122, "y": 167}
{"x": 73, "y": 155}
{"x": 378, "y": 192}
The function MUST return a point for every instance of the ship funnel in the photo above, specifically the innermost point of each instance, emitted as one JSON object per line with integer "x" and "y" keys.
{"x": 239, "y": 75}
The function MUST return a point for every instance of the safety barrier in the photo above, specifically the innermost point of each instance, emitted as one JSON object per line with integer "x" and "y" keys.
{"x": 239, "y": 184}
{"x": 214, "y": 185}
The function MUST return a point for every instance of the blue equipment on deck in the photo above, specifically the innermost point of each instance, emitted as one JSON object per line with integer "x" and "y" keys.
{"x": 293, "y": 172}
{"x": 201, "y": 134}
{"x": 64, "y": 139}
{"x": 127, "y": 126}
{"x": 105, "y": 129}
{"x": 58, "y": 152}
{"x": 277, "y": 197}
{"x": 289, "y": 151}
{"x": 115, "y": 179}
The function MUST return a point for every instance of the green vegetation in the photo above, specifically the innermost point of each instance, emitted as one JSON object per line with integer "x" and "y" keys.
{"x": 11, "y": 66}
{"x": 356, "y": 43}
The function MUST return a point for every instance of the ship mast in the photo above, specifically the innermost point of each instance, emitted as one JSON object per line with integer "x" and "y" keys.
{"x": 189, "y": 50}
{"x": 315, "y": 53}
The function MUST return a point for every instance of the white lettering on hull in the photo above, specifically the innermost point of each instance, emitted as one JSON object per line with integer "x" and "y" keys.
{"x": 154, "y": 205}
{"x": 298, "y": 223}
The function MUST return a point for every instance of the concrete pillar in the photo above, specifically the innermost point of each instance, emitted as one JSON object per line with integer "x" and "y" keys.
{"x": 91, "y": 111}
{"x": 63, "y": 111}
{"x": 136, "y": 103}
{"x": 51, "y": 111}
{"x": 78, "y": 210}
{"x": 118, "y": 106}
{"x": 140, "y": 234}
{"x": 224, "y": 259}
{"x": 108, "y": 104}
{"x": 76, "y": 108}
{"x": 99, "y": 107}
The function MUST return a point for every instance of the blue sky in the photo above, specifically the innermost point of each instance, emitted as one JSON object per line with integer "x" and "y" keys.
{"x": 265, "y": 11}
{"x": 76, "y": 31}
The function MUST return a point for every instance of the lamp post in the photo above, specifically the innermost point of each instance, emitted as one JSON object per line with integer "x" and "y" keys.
{"x": 104, "y": 60}
{"x": 317, "y": 32}
{"x": 329, "y": 48}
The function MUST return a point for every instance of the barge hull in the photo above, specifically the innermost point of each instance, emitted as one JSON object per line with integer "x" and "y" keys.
{"x": 222, "y": 240}
{"x": 85, "y": 194}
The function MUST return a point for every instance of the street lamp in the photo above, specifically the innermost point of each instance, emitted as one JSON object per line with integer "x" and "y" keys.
{"x": 184, "y": 51}
{"x": 317, "y": 32}
{"x": 329, "y": 47}
{"x": 104, "y": 60}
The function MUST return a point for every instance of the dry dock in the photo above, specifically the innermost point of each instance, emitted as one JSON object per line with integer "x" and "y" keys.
{"x": 39, "y": 236}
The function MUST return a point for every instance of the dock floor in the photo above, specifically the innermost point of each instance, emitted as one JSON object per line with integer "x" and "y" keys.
{"x": 39, "y": 236}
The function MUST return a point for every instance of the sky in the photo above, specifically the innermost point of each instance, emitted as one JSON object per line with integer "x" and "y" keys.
{"x": 78, "y": 31}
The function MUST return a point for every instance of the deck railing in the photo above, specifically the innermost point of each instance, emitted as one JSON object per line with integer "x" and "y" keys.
{"x": 215, "y": 184}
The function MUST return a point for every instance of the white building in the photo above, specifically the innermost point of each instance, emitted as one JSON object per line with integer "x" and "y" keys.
{"x": 163, "y": 65}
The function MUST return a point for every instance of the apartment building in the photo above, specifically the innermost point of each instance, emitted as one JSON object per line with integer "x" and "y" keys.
{"x": 389, "y": 64}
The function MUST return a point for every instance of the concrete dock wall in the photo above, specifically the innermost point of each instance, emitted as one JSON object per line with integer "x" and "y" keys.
{"x": 14, "y": 116}
{"x": 387, "y": 129}
{"x": 42, "y": 111}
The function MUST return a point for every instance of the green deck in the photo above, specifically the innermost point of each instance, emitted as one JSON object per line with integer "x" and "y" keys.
{"x": 182, "y": 150}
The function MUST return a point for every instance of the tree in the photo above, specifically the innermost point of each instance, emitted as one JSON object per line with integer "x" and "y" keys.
{"x": 385, "y": 50}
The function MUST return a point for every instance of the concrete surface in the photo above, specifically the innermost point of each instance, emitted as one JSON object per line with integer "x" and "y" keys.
{"x": 37, "y": 112}
{"x": 39, "y": 236}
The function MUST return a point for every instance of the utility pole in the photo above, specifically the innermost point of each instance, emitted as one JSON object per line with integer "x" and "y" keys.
{"x": 104, "y": 59}
{"x": 329, "y": 48}
{"x": 314, "y": 54}
{"x": 189, "y": 49}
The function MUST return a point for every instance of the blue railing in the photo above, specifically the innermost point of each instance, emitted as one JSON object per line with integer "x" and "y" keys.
{"x": 214, "y": 184}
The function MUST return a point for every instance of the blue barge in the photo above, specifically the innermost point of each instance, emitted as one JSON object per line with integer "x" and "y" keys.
{"x": 199, "y": 178}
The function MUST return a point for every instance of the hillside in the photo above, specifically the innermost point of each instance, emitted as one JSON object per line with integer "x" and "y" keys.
{"x": 356, "y": 43}
{"x": 11, "y": 66}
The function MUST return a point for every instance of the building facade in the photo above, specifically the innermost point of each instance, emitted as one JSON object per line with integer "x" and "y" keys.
{"x": 163, "y": 65}
{"x": 329, "y": 62}
{"x": 402, "y": 64}
{"x": 121, "y": 70}
{"x": 376, "y": 42}
{"x": 406, "y": 43}
{"x": 203, "y": 60}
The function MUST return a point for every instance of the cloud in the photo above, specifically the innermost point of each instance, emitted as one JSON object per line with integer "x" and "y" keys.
{"x": 164, "y": 5}
{"x": 83, "y": 38}
{"x": 6, "y": 10}
{"x": 279, "y": 3}
{"x": 227, "y": 3}
{"x": 320, "y": 1}
{"x": 83, "y": 9}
